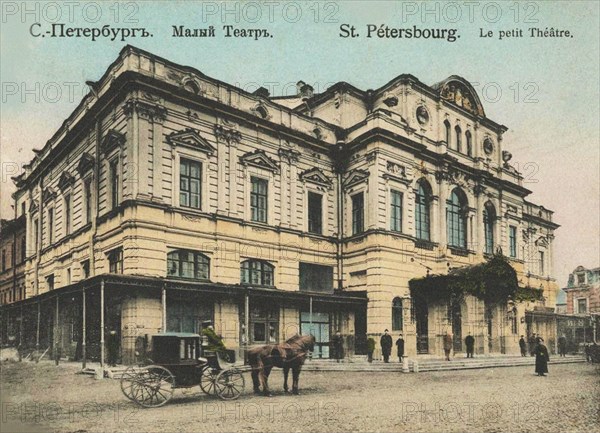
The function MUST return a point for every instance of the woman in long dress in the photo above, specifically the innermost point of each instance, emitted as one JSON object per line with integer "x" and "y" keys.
{"x": 541, "y": 358}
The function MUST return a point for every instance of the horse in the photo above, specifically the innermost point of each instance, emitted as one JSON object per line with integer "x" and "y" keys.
{"x": 289, "y": 355}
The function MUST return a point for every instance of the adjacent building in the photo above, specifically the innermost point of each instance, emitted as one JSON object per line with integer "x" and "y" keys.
{"x": 169, "y": 198}
{"x": 582, "y": 321}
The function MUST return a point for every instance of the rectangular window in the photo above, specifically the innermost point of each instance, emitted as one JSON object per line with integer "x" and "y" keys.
{"x": 50, "y": 282}
{"x": 22, "y": 208}
{"x": 50, "y": 225}
{"x": 36, "y": 229}
{"x": 512, "y": 240}
{"x": 582, "y": 306}
{"x": 258, "y": 199}
{"x": 396, "y": 211}
{"x": 316, "y": 278}
{"x": 358, "y": 205}
{"x": 114, "y": 183}
{"x": 67, "y": 215}
{"x": 190, "y": 173}
{"x": 23, "y": 248}
{"x": 3, "y": 260}
{"x": 85, "y": 269}
{"x": 542, "y": 270}
{"x": 115, "y": 261}
{"x": 68, "y": 275}
{"x": 87, "y": 199}
{"x": 315, "y": 213}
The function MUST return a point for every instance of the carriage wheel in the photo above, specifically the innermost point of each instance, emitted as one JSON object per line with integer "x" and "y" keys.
{"x": 229, "y": 384}
{"x": 207, "y": 380}
{"x": 152, "y": 386}
{"x": 129, "y": 381}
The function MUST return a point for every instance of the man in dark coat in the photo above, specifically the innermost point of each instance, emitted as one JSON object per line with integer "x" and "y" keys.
{"x": 523, "y": 346}
{"x": 400, "y": 346}
{"x": 386, "y": 346}
{"x": 112, "y": 346}
{"x": 337, "y": 345}
{"x": 532, "y": 343}
{"x": 448, "y": 342}
{"x": 541, "y": 358}
{"x": 370, "y": 348}
{"x": 470, "y": 343}
{"x": 562, "y": 345}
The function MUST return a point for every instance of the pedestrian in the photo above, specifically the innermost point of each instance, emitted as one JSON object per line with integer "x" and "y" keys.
{"x": 562, "y": 345}
{"x": 541, "y": 358}
{"x": 531, "y": 342}
{"x": 112, "y": 346}
{"x": 370, "y": 348}
{"x": 337, "y": 344}
{"x": 523, "y": 346}
{"x": 400, "y": 346}
{"x": 470, "y": 343}
{"x": 386, "y": 346}
{"x": 447, "y": 345}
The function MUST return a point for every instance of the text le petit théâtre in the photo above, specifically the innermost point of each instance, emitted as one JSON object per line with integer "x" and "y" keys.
{"x": 531, "y": 32}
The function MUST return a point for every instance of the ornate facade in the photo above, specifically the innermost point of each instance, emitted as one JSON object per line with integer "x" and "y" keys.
{"x": 169, "y": 198}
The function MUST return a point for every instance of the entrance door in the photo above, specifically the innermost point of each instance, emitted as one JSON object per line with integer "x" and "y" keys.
{"x": 456, "y": 327}
{"x": 422, "y": 319}
{"x": 319, "y": 328}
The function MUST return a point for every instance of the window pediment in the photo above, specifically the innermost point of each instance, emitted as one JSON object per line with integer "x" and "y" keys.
{"x": 85, "y": 163}
{"x": 33, "y": 207}
{"x": 66, "y": 181}
{"x": 48, "y": 194}
{"x": 112, "y": 140}
{"x": 316, "y": 176}
{"x": 259, "y": 159}
{"x": 190, "y": 138}
{"x": 355, "y": 177}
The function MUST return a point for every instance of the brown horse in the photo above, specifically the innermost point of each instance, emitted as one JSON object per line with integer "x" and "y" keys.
{"x": 289, "y": 355}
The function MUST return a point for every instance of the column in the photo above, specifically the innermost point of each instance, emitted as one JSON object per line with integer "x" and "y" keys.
{"x": 83, "y": 329}
{"x": 441, "y": 215}
{"x": 479, "y": 226}
{"x": 157, "y": 151}
{"x": 37, "y": 332}
{"x": 223, "y": 205}
{"x": 164, "y": 307}
{"x": 102, "y": 323}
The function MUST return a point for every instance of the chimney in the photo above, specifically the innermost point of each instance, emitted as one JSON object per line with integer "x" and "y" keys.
{"x": 304, "y": 90}
{"x": 261, "y": 92}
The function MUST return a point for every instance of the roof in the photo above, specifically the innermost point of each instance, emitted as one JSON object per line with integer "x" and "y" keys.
{"x": 177, "y": 334}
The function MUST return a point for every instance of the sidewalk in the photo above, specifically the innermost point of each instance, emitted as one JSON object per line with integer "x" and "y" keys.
{"x": 433, "y": 364}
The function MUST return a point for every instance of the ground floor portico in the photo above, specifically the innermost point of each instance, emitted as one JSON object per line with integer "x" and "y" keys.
{"x": 86, "y": 320}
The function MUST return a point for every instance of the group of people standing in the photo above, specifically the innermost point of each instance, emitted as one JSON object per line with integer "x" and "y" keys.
{"x": 386, "y": 343}
{"x": 538, "y": 349}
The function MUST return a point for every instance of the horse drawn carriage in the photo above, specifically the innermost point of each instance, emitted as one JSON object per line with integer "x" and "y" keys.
{"x": 178, "y": 361}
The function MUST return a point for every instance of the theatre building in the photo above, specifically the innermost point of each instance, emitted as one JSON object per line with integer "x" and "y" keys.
{"x": 169, "y": 198}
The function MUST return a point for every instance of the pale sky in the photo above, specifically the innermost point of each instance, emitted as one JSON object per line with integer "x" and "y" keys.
{"x": 545, "y": 90}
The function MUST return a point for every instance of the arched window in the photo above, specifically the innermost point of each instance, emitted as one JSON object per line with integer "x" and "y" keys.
{"x": 448, "y": 132}
{"x": 397, "y": 314}
{"x": 489, "y": 220}
{"x": 458, "y": 132}
{"x": 257, "y": 272}
{"x": 422, "y": 210}
{"x": 469, "y": 143}
{"x": 188, "y": 264}
{"x": 456, "y": 219}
